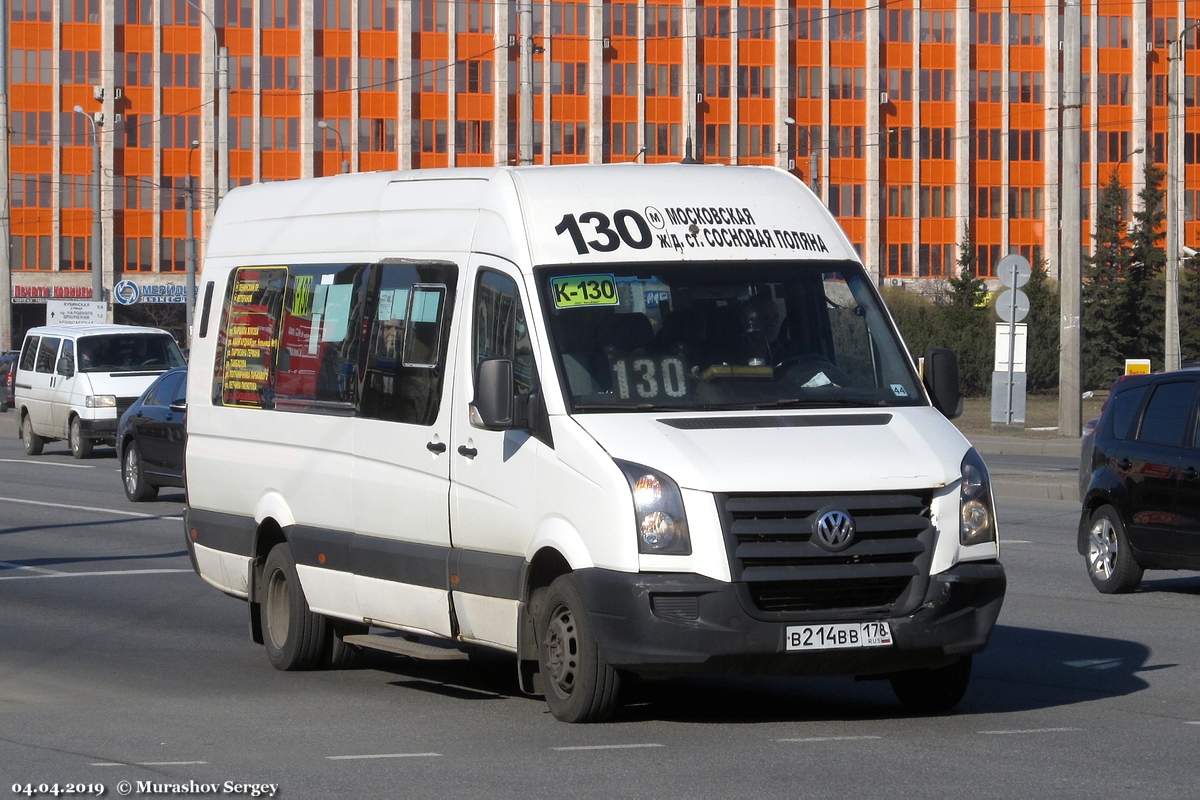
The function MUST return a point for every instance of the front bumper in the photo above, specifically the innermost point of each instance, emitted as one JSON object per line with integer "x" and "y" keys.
{"x": 99, "y": 428}
{"x": 643, "y": 623}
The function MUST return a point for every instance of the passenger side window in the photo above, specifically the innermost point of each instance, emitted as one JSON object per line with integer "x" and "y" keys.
{"x": 1125, "y": 406}
{"x": 47, "y": 351}
{"x": 289, "y": 338}
{"x": 1167, "y": 414}
{"x": 164, "y": 394}
{"x": 501, "y": 330}
{"x": 29, "y": 353}
{"x": 410, "y": 305}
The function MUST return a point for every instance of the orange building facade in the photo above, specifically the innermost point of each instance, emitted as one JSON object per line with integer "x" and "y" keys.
{"x": 915, "y": 121}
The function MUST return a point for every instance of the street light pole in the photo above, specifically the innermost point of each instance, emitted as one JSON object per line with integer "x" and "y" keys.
{"x": 97, "y": 229}
{"x": 1174, "y": 139}
{"x": 221, "y": 67}
{"x": 789, "y": 125}
{"x": 189, "y": 300}
{"x": 325, "y": 126}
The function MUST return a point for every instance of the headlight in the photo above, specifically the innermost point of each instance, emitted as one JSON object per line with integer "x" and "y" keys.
{"x": 101, "y": 401}
{"x": 977, "y": 518}
{"x": 658, "y": 514}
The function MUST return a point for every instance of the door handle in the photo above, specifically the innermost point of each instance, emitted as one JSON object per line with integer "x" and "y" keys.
{"x": 437, "y": 448}
{"x": 1124, "y": 463}
{"x": 469, "y": 452}
{"x": 1190, "y": 473}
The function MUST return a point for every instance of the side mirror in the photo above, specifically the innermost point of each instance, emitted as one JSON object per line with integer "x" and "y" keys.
{"x": 66, "y": 366}
{"x": 941, "y": 381}
{"x": 179, "y": 407}
{"x": 493, "y": 405}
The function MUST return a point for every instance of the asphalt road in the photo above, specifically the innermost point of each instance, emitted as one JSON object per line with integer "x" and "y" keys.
{"x": 117, "y": 663}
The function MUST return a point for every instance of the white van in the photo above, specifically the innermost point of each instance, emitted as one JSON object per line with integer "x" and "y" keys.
{"x": 614, "y": 420}
{"x": 74, "y": 381}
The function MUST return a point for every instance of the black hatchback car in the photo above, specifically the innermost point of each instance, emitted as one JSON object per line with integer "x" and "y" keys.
{"x": 151, "y": 437}
{"x": 1140, "y": 481}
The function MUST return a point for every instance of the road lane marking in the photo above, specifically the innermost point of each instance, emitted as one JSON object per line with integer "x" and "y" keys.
{"x": 105, "y": 573}
{"x": 142, "y": 514}
{"x": 1032, "y": 730}
{"x": 45, "y": 463}
{"x": 1196, "y": 722}
{"x": 830, "y": 739}
{"x": 145, "y": 763}
{"x": 1014, "y": 541}
{"x": 607, "y": 747}
{"x": 385, "y": 755}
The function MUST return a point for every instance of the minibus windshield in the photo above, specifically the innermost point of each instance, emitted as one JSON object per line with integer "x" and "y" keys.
{"x": 710, "y": 336}
{"x": 129, "y": 352}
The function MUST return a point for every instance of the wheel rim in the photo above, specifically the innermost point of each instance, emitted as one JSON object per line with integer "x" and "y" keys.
{"x": 131, "y": 471}
{"x": 76, "y": 444}
{"x": 1102, "y": 549}
{"x": 26, "y": 430}
{"x": 562, "y": 650}
{"x": 278, "y": 609}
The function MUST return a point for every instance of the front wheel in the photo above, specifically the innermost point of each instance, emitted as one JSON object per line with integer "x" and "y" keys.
{"x": 30, "y": 440}
{"x": 1110, "y": 562}
{"x": 933, "y": 690}
{"x": 294, "y": 636}
{"x": 134, "y": 477}
{"x": 579, "y": 685}
{"x": 81, "y": 446}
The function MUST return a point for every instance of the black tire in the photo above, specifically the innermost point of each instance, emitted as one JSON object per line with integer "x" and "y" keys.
{"x": 579, "y": 685}
{"x": 933, "y": 690}
{"x": 32, "y": 442}
{"x": 341, "y": 655}
{"x": 81, "y": 446}
{"x": 1109, "y": 560}
{"x": 137, "y": 489}
{"x": 294, "y": 636}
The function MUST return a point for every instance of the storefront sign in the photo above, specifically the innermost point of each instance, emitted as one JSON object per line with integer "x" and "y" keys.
{"x": 127, "y": 293}
{"x": 40, "y": 294}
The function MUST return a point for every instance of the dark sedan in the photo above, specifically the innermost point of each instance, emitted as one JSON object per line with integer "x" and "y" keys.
{"x": 151, "y": 437}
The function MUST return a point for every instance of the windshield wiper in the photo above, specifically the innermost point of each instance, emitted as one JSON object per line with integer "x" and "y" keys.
{"x": 827, "y": 402}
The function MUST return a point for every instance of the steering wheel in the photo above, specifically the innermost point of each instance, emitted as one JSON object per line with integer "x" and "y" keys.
{"x": 808, "y": 366}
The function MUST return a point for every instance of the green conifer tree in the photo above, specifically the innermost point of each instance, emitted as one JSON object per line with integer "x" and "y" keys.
{"x": 1141, "y": 295}
{"x": 1102, "y": 274}
{"x": 1189, "y": 310}
{"x": 966, "y": 322}
{"x": 1044, "y": 315}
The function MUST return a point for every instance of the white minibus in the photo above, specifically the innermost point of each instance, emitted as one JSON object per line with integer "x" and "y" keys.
{"x": 615, "y": 420}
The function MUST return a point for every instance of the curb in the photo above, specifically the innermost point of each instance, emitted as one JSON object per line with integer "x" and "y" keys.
{"x": 1035, "y": 486}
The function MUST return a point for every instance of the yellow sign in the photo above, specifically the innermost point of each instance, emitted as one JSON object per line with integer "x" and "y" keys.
{"x": 1137, "y": 366}
{"x": 573, "y": 291}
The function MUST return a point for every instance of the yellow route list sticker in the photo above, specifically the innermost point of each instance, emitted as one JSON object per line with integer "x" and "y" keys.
{"x": 574, "y": 291}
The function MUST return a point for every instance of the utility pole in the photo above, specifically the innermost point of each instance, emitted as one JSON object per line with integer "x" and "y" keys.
{"x": 1070, "y": 370}
{"x": 813, "y": 177}
{"x": 5, "y": 213}
{"x": 1175, "y": 53}
{"x": 525, "y": 23}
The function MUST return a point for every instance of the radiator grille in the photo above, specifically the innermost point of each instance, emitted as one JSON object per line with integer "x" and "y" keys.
{"x": 783, "y": 570}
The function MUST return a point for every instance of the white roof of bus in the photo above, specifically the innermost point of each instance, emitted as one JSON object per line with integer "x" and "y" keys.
{"x": 584, "y": 214}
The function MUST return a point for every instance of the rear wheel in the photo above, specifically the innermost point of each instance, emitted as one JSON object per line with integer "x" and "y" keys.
{"x": 81, "y": 446}
{"x": 32, "y": 442}
{"x": 579, "y": 685}
{"x": 933, "y": 690}
{"x": 134, "y": 478}
{"x": 294, "y": 636}
{"x": 1110, "y": 562}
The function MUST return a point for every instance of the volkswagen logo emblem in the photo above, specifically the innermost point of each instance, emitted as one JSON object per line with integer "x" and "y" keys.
{"x": 834, "y": 529}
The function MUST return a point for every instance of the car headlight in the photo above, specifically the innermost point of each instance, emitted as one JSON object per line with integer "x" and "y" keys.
{"x": 101, "y": 401}
{"x": 977, "y": 518}
{"x": 659, "y": 518}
